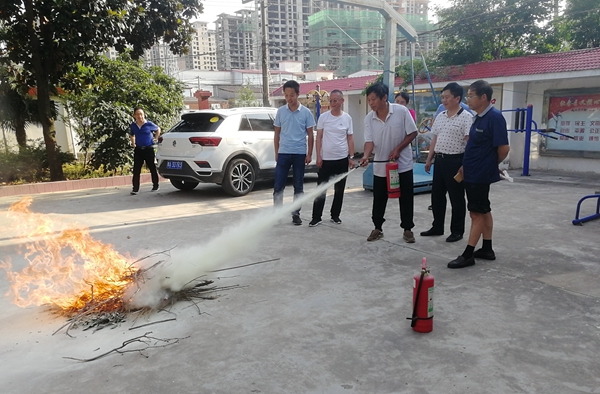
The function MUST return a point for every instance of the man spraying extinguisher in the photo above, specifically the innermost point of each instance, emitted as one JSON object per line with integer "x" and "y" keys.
{"x": 389, "y": 130}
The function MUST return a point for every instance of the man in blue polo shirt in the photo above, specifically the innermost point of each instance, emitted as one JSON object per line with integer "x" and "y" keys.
{"x": 142, "y": 134}
{"x": 293, "y": 124}
{"x": 486, "y": 148}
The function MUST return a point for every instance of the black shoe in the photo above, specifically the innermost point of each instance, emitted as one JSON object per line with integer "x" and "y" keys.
{"x": 431, "y": 232}
{"x": 430, "y": 208}
{"x": 134, "y": 192}
{"x": 484, "y": 254}
{"x": 461, "y": 262}
{"x": 155, "y": 188}
{"x": 314, "y": 222}
{"x": 336, "y": 220}
{"x": 296, "y": 220}
{"x": 454, "y": 237}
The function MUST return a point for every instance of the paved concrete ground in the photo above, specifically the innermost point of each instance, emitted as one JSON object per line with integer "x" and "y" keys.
{"x": 329, "y": 316}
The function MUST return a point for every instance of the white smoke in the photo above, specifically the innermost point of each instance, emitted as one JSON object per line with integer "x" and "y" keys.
{"x": 187, "y": 264}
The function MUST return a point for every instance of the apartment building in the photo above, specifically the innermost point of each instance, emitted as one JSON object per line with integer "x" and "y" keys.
{"x": 203, "y": 49}
{"x": 237, "y": 40}
{"x": 160, "y": 55}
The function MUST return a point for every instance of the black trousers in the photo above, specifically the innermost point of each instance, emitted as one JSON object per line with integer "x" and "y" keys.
{"x": 380, "y": 198}
{"x": 446, "y": 167}
{"x": 141, "y": 155}
{"x": 330, "y": 169}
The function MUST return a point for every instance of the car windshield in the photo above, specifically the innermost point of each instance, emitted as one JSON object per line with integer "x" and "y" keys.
{"x": 193, "y": 123}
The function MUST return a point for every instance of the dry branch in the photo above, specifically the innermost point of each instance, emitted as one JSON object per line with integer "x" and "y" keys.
{"x": 154, "y": 322}
{"x": 145, "y": 339}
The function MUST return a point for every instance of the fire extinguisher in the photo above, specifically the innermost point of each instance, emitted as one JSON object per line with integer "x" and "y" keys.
{"x": 422, "y": 318}
{"x": 393, "y": 179}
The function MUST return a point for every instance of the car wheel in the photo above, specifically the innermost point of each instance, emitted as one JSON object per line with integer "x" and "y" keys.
{"x": 240, "y": 178}
{"x": 183, "y": 185}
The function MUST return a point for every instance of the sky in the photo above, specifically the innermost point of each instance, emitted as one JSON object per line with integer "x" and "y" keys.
{"x": 212, "y": 8}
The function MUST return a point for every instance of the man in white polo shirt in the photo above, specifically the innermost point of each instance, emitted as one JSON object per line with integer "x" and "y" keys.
{"x": 335, "y": 150}
{"x": 450, "y": 134}
{"x": 389, "y": 130}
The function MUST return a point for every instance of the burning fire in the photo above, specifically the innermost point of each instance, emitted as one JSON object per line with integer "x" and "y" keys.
{"x": 67, "y": 269}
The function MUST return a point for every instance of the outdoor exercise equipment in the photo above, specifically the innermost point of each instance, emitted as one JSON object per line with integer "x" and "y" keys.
{"x": 524, "y": 123}
{"x": 580, "y": 221}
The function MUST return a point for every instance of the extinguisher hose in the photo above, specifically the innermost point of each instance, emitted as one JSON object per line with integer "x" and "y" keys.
{"x": 414, "y": 317}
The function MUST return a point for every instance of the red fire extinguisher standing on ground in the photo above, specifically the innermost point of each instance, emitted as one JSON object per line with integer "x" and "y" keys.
{"x": 393, "y": 179}
{"x": 422, "y": 318}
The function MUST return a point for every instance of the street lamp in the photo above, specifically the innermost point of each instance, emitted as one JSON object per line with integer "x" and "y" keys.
{"x": 317, "y": 95}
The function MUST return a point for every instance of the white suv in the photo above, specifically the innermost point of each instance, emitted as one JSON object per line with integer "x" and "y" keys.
{"x": 230, "y": 147}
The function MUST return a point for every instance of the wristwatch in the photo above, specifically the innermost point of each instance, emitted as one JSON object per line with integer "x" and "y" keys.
{"x": 350, "y": 157}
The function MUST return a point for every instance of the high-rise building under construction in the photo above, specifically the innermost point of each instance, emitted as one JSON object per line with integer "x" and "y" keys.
{"x": 344, "y": 38}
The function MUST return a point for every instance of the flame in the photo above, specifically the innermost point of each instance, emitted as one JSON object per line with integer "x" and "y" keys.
{"x": 67, "y": 269}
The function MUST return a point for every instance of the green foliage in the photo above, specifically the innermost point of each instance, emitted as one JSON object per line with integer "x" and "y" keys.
{"x": 49, "y": 39}
{"x": 246, "y": 96}
{"x": 17, "y": 108}
{"x": 103, "y": 105}
{"x": 78, "y": 170}
{"x": 479, "y": 30}
{"x": 30, "y": 164}
{"x": 580, "y": 23}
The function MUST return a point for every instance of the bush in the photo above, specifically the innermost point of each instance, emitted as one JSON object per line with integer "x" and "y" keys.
{"x": 29, "y": 164}
{"x": 79, "y": 170}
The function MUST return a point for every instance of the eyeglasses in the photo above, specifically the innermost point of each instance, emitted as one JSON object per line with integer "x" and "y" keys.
{"x": 471, "y": 97}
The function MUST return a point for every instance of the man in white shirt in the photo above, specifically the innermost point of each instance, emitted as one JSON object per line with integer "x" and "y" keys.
{"x": 450, "y": 134}
{"x": 389, "y": 130}
{"x": 335, "y": 153}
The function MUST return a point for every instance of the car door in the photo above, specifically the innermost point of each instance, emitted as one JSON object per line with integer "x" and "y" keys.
{"x": 257, "y": 133}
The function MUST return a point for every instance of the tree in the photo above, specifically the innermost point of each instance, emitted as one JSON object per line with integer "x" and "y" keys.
{"x": 581, "y": 20}
{"x": 15, "y": 111}
{"x": 17, "y": 108}
{"x": 102, "y": 112}
{"x": 478, "y": 30}
{"x": 50, "y": 38}
{"x": 247, "y": 97}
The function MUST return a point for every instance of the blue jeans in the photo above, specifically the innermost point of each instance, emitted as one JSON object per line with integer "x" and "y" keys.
{"x": 282, "y": 169}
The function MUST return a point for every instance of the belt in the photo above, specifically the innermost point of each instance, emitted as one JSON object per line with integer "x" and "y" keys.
{"x": 446, "y": 155}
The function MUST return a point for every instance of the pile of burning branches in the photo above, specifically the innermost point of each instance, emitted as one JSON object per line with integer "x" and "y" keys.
{"x": 84, "y": 279}
{"x": 113, "y": 309}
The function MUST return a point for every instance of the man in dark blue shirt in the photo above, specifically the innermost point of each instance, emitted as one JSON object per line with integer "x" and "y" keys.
{"x": 486, "y": 148}
{"x": 142, "y": 134}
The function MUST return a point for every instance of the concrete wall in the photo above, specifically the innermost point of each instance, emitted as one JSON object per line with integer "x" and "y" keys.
{"x": 514, "y": 96}
{"x": 355, "y": 105}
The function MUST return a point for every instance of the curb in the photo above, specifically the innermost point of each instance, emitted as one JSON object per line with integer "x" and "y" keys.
{"x": 79, "y": 184}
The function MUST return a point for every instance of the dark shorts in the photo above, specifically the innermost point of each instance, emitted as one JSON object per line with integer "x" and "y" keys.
{"x": 478, "y": 197}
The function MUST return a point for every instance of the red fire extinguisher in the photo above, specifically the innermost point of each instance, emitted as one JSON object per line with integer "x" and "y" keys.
{"x": 393, "y": 179}
{"x": 422, "y": 318}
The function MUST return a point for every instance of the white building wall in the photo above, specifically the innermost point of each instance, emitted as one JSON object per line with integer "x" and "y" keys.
{"x": 355, "y": 105}
{"x": 514, "y": 96}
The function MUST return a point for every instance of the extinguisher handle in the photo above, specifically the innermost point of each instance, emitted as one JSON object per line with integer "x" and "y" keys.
{"x": 414, "y": 315}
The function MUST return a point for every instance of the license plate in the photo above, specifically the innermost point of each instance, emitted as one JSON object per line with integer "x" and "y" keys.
{"x": 174, "y": 165}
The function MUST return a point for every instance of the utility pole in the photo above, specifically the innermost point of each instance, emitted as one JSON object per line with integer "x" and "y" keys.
{"x": 265, "y": 54}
